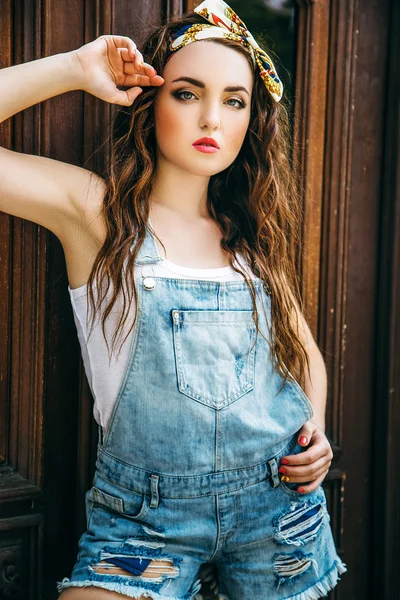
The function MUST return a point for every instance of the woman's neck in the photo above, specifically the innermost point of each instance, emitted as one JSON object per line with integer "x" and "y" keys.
{"x": 180, "y": 191}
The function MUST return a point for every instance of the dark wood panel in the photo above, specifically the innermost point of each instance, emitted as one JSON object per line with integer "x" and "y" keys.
{"x": 309, "y": 132}
{"x": 174, "y": 8}
{"x": 28, "y": 283}
{"x": 5, "y": 367}
{"x": 361, "y": 297}
{"x": 5, "y": 250}
{"x": 136, "y": 19}
{"x": 20, "y": 557}
{"x": 341, "y": 43}
{"x": 24, "y": 285}
{"x": 386, "y": 418}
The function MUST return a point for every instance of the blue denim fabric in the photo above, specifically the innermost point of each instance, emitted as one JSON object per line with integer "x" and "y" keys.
{"x": 187, "y": 471}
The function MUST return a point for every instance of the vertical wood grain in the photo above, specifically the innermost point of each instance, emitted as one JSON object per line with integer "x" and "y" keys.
{"x": 309, "y": 134}
{"x": 23, "y": 350}
{"x": 386, "y": 418}
{"x": 5, "y": 249}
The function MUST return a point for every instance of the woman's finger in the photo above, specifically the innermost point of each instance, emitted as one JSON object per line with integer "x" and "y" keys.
{"x": 308, "y": 478}
{"x": 310, "y": 487}
{"x": 302, "y": 472}
{"x": 139, "y": 61}
{"x": 136, "y": 59}
{"x": 309, "y": 456}
{"x": 122, "y": 41}
{"x": 131, "y": 80}
{"x": 131, "y": 69}
{"x": 126, "y": 55}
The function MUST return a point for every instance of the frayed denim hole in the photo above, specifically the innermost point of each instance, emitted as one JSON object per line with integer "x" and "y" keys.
{"x": 301, "y": 524}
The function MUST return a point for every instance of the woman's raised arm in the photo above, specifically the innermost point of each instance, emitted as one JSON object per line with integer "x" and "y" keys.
{"x": 44, "y": 190}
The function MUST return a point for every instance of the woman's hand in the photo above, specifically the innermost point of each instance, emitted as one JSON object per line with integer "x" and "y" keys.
{"x": 111, "y": 61}
{"x": 311, "y": 465}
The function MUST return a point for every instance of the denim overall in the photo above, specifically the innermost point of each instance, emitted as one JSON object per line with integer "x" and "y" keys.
{"x": 187, "y": 470}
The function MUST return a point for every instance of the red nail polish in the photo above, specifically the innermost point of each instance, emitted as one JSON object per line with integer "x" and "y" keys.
{"x": 301, "y": 490}
{"x": 303, "y": 440}
{"x": 284, "y": 461}
{"x": 282, "y": 470}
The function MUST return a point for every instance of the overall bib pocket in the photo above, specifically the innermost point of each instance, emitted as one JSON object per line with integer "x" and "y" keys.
{"x": 214, "y": 354}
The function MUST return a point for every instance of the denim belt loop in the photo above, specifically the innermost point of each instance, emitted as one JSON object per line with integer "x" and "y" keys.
{"x": 155, "y": 498}
{"x": 274, "y": 472}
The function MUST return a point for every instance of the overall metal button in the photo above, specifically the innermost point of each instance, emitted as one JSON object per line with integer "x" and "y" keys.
{"x": 148, "y": 283}
{"x": 176, "y": 314}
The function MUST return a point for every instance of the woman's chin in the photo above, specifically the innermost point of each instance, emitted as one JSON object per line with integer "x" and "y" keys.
{"x": 204, "y": 165}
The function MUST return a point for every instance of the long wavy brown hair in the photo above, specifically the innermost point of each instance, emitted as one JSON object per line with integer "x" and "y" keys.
{"x": 255, "y": 201}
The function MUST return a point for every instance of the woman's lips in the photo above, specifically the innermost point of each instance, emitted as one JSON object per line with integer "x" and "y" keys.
{"x": 205, "y": 148}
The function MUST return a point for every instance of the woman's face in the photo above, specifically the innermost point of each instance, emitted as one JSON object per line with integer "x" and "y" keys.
{"x": 186, "y": 111}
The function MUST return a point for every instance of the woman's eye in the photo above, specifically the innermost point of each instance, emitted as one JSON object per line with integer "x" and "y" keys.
{"x": 241, "y": 104}
{"x": 179, "y": 95}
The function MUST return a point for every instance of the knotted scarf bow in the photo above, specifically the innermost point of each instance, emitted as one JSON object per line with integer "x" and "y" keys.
{"x": 226, "y": 23}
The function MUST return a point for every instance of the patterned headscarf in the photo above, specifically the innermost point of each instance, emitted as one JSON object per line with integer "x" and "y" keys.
{"x": 227, "y": 24}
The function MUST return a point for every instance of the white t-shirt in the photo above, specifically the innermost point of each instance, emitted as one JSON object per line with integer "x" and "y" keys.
{"x": 104, "y": 376}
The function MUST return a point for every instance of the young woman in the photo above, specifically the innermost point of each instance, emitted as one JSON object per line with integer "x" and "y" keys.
{"x": 209, "y": 388}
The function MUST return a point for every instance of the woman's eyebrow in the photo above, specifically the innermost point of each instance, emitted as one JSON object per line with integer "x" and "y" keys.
{"x": 201, "y": 84}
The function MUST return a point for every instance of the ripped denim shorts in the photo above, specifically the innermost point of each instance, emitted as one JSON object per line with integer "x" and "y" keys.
{"x": 241, "y": 536}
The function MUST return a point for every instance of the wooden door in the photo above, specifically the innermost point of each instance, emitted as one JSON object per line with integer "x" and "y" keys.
{"x": 342, "y": 61}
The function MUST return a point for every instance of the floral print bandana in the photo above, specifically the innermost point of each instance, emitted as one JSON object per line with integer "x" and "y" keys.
{"x": 227, "y": 24}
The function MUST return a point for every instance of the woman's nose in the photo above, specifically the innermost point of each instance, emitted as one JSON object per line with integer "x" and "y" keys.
{"x": 210, "y": 117}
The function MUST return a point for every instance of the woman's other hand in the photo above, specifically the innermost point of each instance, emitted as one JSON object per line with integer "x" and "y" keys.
{"x": 111, "y": 61}
{"x": 313, "y": 464}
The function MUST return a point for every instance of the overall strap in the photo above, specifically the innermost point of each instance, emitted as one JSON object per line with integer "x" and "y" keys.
{"x": 148, "y": 252}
